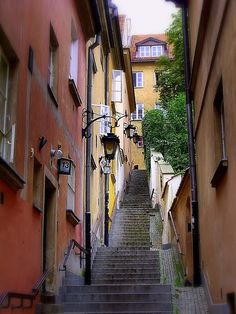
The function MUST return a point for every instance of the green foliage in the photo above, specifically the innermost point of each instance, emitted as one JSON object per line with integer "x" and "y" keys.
{"x": 165, "y": 129}
{"x": 170, "y": 71}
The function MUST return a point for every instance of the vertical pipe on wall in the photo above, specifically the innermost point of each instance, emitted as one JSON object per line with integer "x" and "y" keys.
{"x": 192, "y": 160}
{"x": 88, "y": 163}
{"x": 106, "y": 214}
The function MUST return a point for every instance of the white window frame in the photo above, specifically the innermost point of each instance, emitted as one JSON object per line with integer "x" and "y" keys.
{"x": 157, "y": 51}
{"x": 71, "y": 190}
{"x": 135, "y": 115}
{"x": 7, "y": 136}
{"x": 74, "y": 55}
{"x": 117, "y": 85}
{"x": 144, "y": 51}
{"x": 138, "y": 80}
{"x": 53, "y": 62}
{"x": 105, "y": 124}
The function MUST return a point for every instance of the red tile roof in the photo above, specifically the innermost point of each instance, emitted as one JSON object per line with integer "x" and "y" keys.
{"x": 139, "y": 38}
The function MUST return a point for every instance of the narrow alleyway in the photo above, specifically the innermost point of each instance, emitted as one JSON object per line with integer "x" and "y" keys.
{"x": 134, "y": 274}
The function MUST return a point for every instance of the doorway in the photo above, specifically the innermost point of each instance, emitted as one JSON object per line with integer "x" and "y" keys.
{"x": 49, "y": 233}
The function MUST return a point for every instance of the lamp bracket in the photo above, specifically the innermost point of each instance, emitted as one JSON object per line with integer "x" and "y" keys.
{"x": 84, "y": 130}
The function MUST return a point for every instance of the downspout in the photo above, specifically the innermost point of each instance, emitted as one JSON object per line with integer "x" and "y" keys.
{"x": 88, "y": 163}
{"x": 106, "y": 214}
{"x": 192, "y": 160}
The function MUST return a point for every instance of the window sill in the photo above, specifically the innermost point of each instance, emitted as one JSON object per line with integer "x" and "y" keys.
{"x": 52, "y": 96}
{"x": 36, "y": 207}
{"x": 10, "y": 176}
{"x": 219, "y": 173}
{"x": 74, "y": 93}
{"x": 71, "y": 217}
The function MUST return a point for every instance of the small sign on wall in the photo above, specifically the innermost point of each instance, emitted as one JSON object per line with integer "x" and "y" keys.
{"x": 64, "y": 166}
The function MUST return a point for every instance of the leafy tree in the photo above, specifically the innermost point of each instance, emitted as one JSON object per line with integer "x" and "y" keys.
{"x": 170, "y": 71}
{"x": 165, "y": 129}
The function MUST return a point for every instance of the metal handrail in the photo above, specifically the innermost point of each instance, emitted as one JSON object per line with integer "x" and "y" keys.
{"x": 72, "y": 245}
{"x": 23, "y": 296}
{"x": 175, "y": 231}
{"x": 153, "y": 190}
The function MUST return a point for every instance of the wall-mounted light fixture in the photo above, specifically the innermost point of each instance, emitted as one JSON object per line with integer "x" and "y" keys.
{"x": 110, "y": 142}
{"x": 42, "y": 142}
{"x": 64, "y": 166}
{"x": 129, "y": 130}
{"x": 57, "y": 153}
{"x": 136, "y": 137}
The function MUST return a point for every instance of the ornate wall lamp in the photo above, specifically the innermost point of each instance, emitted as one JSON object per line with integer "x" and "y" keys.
{"x": 110, "y": 142}
{"x": 129, "y": 131}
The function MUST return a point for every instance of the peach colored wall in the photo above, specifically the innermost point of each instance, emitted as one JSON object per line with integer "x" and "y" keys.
{"x": 25, "y": 24}
{"x": 217, "y": 205}
{"x": 182, "y": 217}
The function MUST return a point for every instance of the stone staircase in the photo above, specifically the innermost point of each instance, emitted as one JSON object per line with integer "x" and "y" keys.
{"x": 125, "y": 275}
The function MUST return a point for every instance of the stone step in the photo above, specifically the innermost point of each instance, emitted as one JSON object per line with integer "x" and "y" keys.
{"x": 126, "y": 258}
{"x": 153, "y": 265}
{"x": 145, "y": 269}
{"x": 118, "y": 297}
{"x": 124, "y": 275}
{"x": 115, "y": 312}
{"x": 153, "y": 288}
{"x": 103, "y": 307}
{"x": 127, "y": 280}
{"x": 121, "y": 250}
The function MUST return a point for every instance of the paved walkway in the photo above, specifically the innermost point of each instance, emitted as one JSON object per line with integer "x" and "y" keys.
{"x": 186, "y": 300}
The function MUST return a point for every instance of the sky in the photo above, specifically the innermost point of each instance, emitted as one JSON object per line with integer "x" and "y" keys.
{"x": 147, "y": 16}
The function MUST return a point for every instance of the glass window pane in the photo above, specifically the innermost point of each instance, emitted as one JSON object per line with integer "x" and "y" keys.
{"x": 2, "y": 112}
{"x": 3, "y": 75}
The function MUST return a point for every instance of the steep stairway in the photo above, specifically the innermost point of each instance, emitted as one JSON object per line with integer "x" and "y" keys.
{"x": 125, "y": 275}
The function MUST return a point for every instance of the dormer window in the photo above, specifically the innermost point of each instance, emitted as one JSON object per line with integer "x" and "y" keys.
{"x": 150, "y": 51}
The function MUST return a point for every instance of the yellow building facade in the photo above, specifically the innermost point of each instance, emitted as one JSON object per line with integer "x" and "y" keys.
{"x": 113, "y": 96}
{"x": 145, "y": 50}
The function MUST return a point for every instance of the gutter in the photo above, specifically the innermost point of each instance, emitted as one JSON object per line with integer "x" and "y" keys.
{"x": 88, "y": 162}
{"x": 192, "y": 159}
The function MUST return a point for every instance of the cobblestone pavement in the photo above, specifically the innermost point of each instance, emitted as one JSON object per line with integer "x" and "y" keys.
{"x": 186, "y": 300}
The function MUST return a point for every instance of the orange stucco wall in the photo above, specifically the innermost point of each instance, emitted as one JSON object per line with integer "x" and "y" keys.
{"x": 216, "y": 205}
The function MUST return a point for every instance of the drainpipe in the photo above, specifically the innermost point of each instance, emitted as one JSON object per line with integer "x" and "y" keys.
{"x": 106, "y": 216}
{"x": 88, "y": 163}
{"x": 192, "y": 160}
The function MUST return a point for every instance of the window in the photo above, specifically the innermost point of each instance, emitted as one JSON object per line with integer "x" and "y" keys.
{"x": 157, "y": 51}
{"x": 150, "y": 51}
{"x": 116, "y": 85}
{"x": 219, "y": 123}
{"x": 139, "y": 113}
{"x": 53, "y": 66}
{"x": 37, "y": 186}
{"x": 105, "y": 123}
{"x": 138, "y": 79}
{"x": 74, "y": 54}
{"x": 221, "y": 162}
{"x": 71, "y": 190}
{"x": 7, "y": 116}
{"x": 155, "y": 78}
{"x": 144, "y": 51}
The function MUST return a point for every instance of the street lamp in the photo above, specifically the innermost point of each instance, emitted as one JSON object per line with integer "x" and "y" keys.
{"x": 110, "y": 142}
{"x": 129, "y": 130}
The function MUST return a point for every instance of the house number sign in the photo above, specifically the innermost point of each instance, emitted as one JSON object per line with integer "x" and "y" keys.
{"x": 64, "y": 166}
